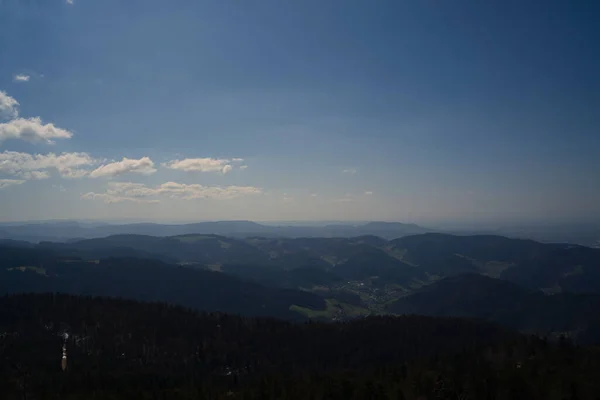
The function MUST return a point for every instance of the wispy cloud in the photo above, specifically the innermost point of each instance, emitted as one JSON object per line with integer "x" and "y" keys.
{"x": 287, "y": 198}
{"x": 196, "y": 191}
{"x": 368, "y": 193}
{"x": 29, "y": 166}
{"x": 34, "y": 175}
{"x": 4, "y": 183}
{"x": 349, "y": 171}
{"x": 128, "y": 191}
{"x": 110, "y": 199}
{"x": 32, "y": 130}
{"x": 222, "y": 165}
{"x": 9, "y": 107}
{"x": 21, "y": 78}
{"x": 71, "y": 2}
{"x": 347, "y": 198}
{"x": 142, "y": 166}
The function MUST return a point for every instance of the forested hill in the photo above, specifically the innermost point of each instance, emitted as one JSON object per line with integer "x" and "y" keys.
{"x": 505, "y": 303}
{"x": 121, "y": 349}
{"x": 32, "y": 270}
{"x": 328, "y": 278}
{"x": 555, "y": 267}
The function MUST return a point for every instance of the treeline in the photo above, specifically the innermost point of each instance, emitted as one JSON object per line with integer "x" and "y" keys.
{"x": 121, "y": 349}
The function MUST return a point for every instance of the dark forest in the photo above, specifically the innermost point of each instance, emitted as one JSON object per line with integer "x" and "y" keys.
{"x": 122, "y": 349}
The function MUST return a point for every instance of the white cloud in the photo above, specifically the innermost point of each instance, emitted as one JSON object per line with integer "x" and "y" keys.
{"x": 21, "y": 78}
{"x": 4, "y": 183}
{"x": 29, "y": 166}
{"x": 196, "y": 191}
{"x": 9, "y": 107}
{"x": 31, "y": 130}
{"x": 142, "y": 166}
{"x": 313, "y": 195}
{"x": 369, "y": 193}
{"x": 110, "y": 199}
{"x": 350, "y": 171}
{"x": 71, "y": 2}
{"x": 29, "y": 175}
{"x": 203, "y": 164}
{"x": 73, "y": 173}
{"x": 243, "y": 166}
{"x": 128, "y": 191}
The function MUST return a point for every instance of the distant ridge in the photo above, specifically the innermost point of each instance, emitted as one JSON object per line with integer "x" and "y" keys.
{"x": 64, "y": 231}
{"x": 67, "y": 230}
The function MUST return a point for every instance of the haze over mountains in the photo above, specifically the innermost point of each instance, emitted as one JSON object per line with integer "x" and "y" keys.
{"x": 70, "y": 230}
{"x": 583, "y": 234}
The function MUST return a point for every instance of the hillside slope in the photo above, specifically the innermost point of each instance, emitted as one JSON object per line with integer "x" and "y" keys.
{"x": 503, "y": 302}
{"x": 27, "y": 270}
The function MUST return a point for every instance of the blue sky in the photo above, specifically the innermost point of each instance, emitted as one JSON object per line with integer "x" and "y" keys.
{"x": 422, "y": 111}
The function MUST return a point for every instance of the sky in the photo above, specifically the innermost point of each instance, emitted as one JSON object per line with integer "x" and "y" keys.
{"x": 418, "y": 111}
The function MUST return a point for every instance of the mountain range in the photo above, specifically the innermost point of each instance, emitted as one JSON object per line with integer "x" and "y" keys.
{"x": 68, "y": 230}
{"x": 587, "y": 234}
{"x": 529, "y": 286}
{"x": 404, "y": 261}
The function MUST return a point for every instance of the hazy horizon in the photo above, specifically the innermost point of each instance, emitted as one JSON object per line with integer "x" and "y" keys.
{"x": 444, "y": 226}
{"x": 419, "y": 112}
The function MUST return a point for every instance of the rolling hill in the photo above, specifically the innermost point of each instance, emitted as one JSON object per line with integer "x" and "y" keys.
{"x": 551, "y": 267}
{"x": 407, "y": 261}
{"x": 329, "y": 278}
{"x": 505, "y": 303}
{"x": 31, "y": 270}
